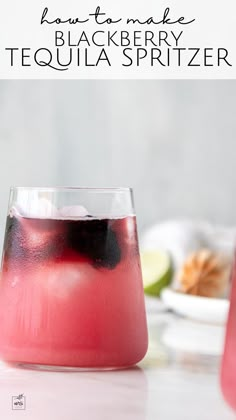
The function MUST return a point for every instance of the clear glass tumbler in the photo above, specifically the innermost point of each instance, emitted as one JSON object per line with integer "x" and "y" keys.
{"x": 71, "y": 293}
{"x": 228, "y": 368}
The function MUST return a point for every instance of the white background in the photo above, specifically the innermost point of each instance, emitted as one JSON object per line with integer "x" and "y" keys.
{"x": 215, "y": 26}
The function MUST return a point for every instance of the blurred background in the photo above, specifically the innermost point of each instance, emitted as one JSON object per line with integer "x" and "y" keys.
{"x": 173, "y": 141}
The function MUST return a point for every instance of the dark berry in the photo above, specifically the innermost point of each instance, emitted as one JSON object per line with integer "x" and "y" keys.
{"x": 95, "y": 239}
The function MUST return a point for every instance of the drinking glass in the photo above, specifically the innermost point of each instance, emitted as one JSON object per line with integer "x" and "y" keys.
{"x": 228, "y": 368}
{"x": 71, "y": 293}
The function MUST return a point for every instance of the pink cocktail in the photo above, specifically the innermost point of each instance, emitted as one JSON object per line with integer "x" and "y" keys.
{"x": 71, "y": 292}
{"x": 228, "y": 369}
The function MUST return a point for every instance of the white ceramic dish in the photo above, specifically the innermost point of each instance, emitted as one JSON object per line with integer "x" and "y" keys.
{"x": 210, "y": 310}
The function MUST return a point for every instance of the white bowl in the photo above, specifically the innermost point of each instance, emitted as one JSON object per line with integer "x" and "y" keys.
{"x": 210, "y": 310}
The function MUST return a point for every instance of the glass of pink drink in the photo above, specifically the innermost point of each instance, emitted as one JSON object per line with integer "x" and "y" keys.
{"x": 71, "y": 293}
{"x": 228, "y": 368}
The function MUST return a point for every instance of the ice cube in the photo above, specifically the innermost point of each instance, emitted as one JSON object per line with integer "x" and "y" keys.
{"x": 41, "y": 239}
{"x": 33, "y": 206}
{"x": 37, "y": 239}
{"x": 46, "y": 209}
{"x": 68, "y": 212}
{"x": 63, "y": 279}
{"x": 16, "y": 212}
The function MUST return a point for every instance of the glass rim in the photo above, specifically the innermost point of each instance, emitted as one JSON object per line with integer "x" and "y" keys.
{"x": 74, "y": 189}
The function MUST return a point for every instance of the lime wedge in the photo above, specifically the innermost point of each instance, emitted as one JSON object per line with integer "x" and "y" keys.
{"x": 156, "y": 270}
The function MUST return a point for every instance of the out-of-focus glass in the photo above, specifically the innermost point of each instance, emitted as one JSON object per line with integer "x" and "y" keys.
{"x": 228, "y": 368}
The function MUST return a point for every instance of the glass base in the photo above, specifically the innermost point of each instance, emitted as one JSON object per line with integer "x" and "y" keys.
{"x": 52, "y": 368}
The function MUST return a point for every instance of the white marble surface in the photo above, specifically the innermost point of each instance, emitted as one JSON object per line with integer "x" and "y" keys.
{"x": 169, "y": 384}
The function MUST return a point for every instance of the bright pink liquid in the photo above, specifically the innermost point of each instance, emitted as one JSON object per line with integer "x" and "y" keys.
{"x": 71, "y": 293}
{"x": 228, "y": 370}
